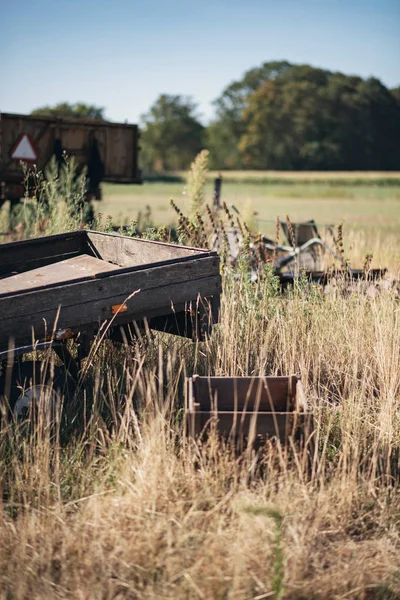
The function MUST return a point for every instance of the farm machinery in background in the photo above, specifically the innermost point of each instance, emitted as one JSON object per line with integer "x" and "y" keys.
{"x": 303, "y": 254}
{"x": 108, "y": 151}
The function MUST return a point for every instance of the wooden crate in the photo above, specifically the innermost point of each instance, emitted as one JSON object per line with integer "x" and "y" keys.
{"x": 246, "y": 407}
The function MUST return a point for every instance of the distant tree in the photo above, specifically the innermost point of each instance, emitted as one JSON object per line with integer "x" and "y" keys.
{"x": 65, "y": 109}
{"x": 283, "y": 116}
{"x": 171, "y": 134}
{"x": 282, "y": 120}
{"x": 223, "y": 134}
{"x": 314, "y": 119}
{"x": 396, "y": 93}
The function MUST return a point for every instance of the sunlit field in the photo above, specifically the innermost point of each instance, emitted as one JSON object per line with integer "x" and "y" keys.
{"x": 359, "y": 205}
{"x": 367, "y": 204}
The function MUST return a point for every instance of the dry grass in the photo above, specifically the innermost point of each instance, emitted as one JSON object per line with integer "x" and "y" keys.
{"x": 125, "y": 508}
{"x": 114, "y": 503}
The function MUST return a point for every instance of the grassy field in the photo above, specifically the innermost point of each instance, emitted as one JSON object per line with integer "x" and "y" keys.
{"x": 359, "y": 206}
{"x": 368, "y": 206}
{"x": 119, "y": 505}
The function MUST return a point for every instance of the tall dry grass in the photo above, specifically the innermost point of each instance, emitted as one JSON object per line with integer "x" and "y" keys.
{"x": 120, "y": 505}
{"x": 112, "y": 502}
{"x": 54, "y": 202}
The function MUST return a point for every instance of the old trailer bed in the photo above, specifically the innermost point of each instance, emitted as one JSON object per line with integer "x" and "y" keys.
{"x": 84, "y": 278}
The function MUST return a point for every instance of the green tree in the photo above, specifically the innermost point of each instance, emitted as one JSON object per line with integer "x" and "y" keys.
{"x": 65, "y": 109}
{"x": 224, "y": 134}
{"x": 282, "y": 122}
{"x": 314, "y": 119}
{"x": 171, "y": 134}
{"x": 283, "y": 116}
{"x": 396, "y": 93}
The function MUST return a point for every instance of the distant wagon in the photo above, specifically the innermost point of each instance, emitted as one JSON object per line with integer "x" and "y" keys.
{"x": 109, "y": 151}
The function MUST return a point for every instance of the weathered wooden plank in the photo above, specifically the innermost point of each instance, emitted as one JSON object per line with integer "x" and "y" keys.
{"x": 264, "y": 394}
{"x": 77, "y": 267}
{"x": 99, "y": 309}
{"x": 246, "y": 425}
{"x": 127, "y": 252}
{"x": 184, "y": 320}
{"x": 119, "y": 285}
{"x": 24, "y": 337}
{"x": 29, "y": 254}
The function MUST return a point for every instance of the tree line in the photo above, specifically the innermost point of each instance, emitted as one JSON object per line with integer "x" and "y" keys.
{"x": 278, "y": 116}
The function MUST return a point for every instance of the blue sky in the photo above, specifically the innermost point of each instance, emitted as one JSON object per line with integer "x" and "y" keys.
{"x": 121, "y": 54}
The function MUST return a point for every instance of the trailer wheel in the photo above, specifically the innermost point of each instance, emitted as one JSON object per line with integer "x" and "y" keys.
{"x": 33, "y": 388}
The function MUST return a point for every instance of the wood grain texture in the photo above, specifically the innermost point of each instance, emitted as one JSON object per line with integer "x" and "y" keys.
{"x": 98, "y": 309}
{"x": 264, "y": 394}
{"x": 110, "y": 288}
{"x": 30, "y": 254}
{"x": 77, "y": 267}
{"x": 280, "y": 424}
{"x": 246, "y": 407}
{"x": 81, "y": 288}
{"x": 128, "y": 252}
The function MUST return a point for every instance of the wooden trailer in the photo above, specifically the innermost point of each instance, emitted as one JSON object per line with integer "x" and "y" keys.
{"x": 109, "y": 151}
{"x": 69, "y": 285}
